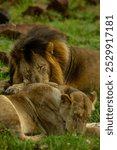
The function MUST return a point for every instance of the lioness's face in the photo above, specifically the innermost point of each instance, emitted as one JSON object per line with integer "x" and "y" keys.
{"x": 38, "y": 70}
{"x": 76, "y": 109}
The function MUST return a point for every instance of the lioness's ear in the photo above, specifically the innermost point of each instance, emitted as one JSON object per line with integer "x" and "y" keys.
{"x": 65, "y": 99}
{"x": 93, "y": 97}
{"x": 50, "y": 48}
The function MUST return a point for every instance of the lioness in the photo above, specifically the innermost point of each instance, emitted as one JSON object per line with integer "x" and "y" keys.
{"x": 41, "y": 108}
{"x": 43, "y": 55}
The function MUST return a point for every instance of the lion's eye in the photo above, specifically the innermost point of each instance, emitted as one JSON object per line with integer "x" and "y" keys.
{"x": 40, "y": 67}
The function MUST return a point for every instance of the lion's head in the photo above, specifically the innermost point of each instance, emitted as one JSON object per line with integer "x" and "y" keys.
{"x": 39, "y": 56}
{"x": 76, "y": 108}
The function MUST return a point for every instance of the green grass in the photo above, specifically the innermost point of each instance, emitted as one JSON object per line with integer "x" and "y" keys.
{"x": 82, "y": 27}
{"x": 8, "y": 141}
{"x": 5, "y": 44}
{"x": 83, "y": 30}
{"x": 72, "y": 142}
{"x": 3, "y": 74}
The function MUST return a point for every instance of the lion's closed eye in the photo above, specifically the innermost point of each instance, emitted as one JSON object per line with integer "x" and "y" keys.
{"x": 41, "y": 66}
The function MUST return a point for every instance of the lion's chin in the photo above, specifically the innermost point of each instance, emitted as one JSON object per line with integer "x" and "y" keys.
{"x": 76, "y": 126}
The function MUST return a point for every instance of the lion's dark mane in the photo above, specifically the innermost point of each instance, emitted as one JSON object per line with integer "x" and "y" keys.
{"x": 36, "y": 40}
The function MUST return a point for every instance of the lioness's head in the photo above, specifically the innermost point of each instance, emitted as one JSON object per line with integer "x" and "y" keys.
{"x": 39, "y": 56}
{"x": 76, "y": 108}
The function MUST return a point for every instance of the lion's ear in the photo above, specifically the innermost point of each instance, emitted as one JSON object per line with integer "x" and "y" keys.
{"x": 65, "y": 99}
{"x": 50, "y": 48}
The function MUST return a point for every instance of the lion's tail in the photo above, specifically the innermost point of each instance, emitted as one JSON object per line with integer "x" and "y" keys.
{"x": 4, "y": 58}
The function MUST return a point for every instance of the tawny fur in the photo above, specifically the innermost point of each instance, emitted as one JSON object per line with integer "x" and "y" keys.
{"x": 41, "y": 108}
{"x": 76, "y": 67}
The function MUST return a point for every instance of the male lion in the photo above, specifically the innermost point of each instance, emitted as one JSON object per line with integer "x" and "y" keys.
{"x": 41, "y": 108}
{"x": 43, "y": 55}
